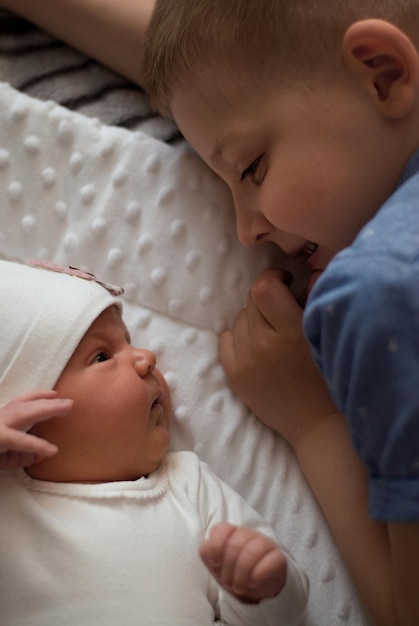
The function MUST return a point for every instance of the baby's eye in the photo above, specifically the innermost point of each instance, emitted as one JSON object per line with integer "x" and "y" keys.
{"x": 102, "y": 356}
{"x": 251, "y": 170}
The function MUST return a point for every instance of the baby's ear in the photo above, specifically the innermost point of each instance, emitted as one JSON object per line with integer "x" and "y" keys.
{"x": 386, "y": 61}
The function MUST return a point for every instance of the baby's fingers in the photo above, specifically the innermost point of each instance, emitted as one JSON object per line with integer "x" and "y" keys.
{"x": 245, "y": 561}
{"x": 267, "y": 577}
{"x": 18, "y": 449}
{"x": 224, "y": 549}
{"x": 212, "y": 550}
{"x": 17, "y": 441}
{"x": 34, "y": 394}
{"x": 244, "y": 550}
{"x": 24, "y": 412}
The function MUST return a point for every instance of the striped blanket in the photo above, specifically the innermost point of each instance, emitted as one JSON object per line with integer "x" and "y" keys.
{"x": 43, "y": 67}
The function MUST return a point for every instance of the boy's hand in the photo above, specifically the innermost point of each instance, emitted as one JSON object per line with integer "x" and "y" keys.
{"x": 268, "y": 361}
{"x": 17, "y": 447}
{"x": 245, "y": 562}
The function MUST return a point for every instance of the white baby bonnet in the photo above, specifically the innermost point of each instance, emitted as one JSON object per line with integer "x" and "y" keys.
{"x": 43, "y": 316}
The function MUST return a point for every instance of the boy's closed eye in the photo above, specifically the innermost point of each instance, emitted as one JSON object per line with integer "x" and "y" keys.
{"x": 251, "y": 171}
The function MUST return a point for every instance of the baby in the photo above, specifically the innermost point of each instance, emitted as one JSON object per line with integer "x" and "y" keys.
{"x": 104, "y": 525}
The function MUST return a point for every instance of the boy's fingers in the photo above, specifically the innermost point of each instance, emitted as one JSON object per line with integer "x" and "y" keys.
{"x": 269, "y": 306}
{"x": 271, "y": 299}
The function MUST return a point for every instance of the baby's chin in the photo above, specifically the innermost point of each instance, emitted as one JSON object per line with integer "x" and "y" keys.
{"x": 51, "y": 470}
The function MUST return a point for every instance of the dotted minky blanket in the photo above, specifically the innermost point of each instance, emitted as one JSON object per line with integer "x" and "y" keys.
{"x": 152, "y": 218}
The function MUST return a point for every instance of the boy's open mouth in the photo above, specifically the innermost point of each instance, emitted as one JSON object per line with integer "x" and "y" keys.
{"x": 309, "y": 249}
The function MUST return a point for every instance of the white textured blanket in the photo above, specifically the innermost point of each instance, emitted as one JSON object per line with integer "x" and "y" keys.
{"x": 155, "y": 220}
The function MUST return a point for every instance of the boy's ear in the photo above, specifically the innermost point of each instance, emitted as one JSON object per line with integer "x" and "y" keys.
{"x": 386, "y": 61}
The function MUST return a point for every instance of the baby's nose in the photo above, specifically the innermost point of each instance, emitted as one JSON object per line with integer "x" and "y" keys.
{"x": 144, "y": 362}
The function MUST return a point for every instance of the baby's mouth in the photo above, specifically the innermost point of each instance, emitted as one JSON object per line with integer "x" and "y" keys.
{"x": 157, "y": 408}
{"x": 156, "y": 402}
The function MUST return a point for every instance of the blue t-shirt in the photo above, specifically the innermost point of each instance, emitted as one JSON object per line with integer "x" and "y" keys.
{"x": 362, "y": 322}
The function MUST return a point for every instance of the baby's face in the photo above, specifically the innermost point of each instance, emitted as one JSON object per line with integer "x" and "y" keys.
{"x": 118, "y": 428}
{"x": 305, "y": 163}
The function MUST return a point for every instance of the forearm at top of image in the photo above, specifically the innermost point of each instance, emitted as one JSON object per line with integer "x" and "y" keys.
{"x": 112, "y": 32}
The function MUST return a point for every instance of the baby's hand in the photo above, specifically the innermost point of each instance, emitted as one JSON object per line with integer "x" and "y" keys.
{"x": 17, "y": 447}
{"x": 244, "y": 561}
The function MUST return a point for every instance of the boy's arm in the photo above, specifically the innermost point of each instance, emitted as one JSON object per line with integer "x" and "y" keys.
{"x": 340, "y": 484}
{"x": 382, "y": 557}
{"x": 369, "y": 358}
{"x": 111, "y": 31}
{"x": 404, "y": 548}
{"x": 17, "y": 447}
{"x": 268, "y": 363}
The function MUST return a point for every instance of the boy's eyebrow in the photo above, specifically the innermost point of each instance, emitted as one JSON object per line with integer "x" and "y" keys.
{"x": 217, "y": 154}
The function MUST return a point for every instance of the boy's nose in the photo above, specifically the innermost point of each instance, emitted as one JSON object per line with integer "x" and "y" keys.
{"x": 251, "y": 225}
{"x": 251, "y": 228}
{"x": 144, "y": 362}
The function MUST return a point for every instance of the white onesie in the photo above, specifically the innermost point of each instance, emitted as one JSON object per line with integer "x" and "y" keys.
{"x": 126, "y": 553}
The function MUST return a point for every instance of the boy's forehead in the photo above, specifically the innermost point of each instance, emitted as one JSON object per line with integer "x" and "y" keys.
{"x": 209, "y": 119}
{"x": 221, "y": 146}
{"x": 230, "y": 91}
{"x": 218, "y": 125}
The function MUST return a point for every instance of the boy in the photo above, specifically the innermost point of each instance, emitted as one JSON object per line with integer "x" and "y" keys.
{"x": 309, "y": 112}
{"x": 104, "y": 525}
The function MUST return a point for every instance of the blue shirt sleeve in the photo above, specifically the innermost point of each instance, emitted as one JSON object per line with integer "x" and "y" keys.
{"x": 362, "y": 322}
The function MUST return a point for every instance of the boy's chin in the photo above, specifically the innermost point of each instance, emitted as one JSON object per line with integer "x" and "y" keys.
{"x": 312, "y": 281}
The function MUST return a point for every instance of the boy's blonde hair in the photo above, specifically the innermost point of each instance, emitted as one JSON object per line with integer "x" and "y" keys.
{"x": 293, "y": 36}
